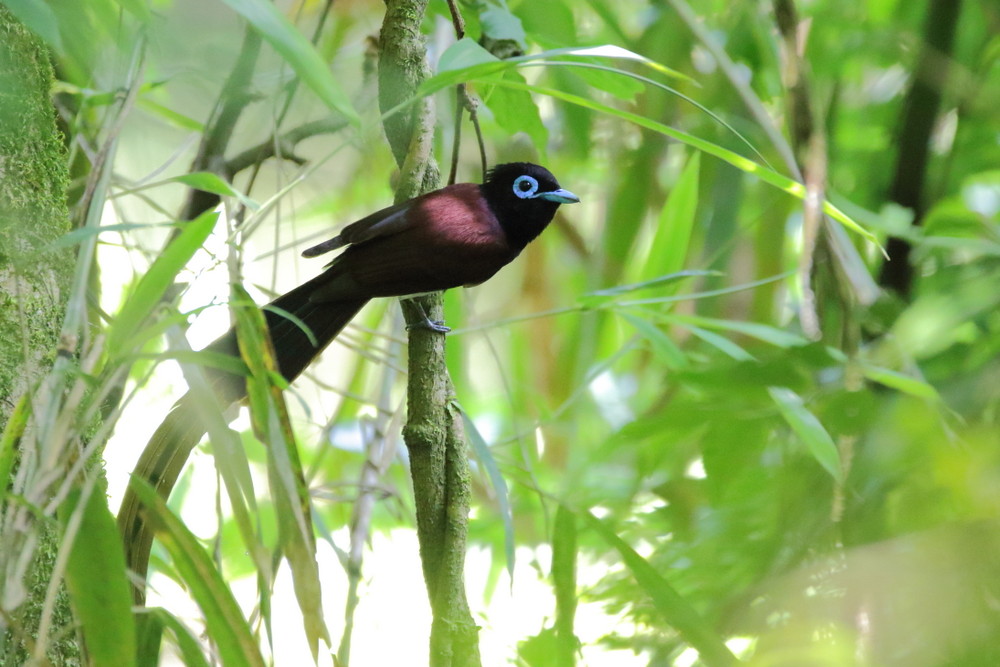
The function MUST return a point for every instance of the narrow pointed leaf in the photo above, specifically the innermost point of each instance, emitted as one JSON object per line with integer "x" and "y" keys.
{"x": 154, "y": 283}
{"x": 297, "y": 51}
{"x": 809, "y": 429}
{"x": 224, "y": 621}
{"x": 675, "y": 610}
{"x": 95, "y": 578}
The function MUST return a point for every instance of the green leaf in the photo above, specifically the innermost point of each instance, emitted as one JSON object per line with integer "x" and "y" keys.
{"x": 721, "y": 343}
{"x": 96, "y": 580}
{"x": 224, "y": 621}
{"x": 601, "y": 297}
{"x": 676, "y": 221}
{"x": 765, "y": 174}
{"x": 297, "y": 52}
{"x": 764, "y": 332}
{"x": 465, "y": 60}
{"x": 809, "y": 429}
{"x": 464, "y": 54}
{"x": 289, "y": 490}
{"x": 664, "y": 347}
{"x": 157, "y": 620}
{"x": 621, "y": 83}
{"x": 209, "y": 182}
{"x": 499, "y": 23}
{"x": 17, "y": 421}
{"x": 901, "y": 382}
{"x": 489, "y": 463}
{"x": 515, "y": 111}
{"x": 675, "y": 610}
{"x": 154, "y": 283}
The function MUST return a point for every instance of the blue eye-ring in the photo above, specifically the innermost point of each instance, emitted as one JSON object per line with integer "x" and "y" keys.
{"x": 525, "y": 187}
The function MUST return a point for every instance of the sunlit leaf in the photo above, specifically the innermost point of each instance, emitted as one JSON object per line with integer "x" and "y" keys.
{"x": 225, "y": 623}
{"x": 743, "y": 164}
{"x": 154, "y": 283}
{"x": 95, "y": 578}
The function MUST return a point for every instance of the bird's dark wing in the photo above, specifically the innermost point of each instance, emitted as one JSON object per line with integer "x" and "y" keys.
{"x": 449, "y": 238}
{"x": 380, "y": 223}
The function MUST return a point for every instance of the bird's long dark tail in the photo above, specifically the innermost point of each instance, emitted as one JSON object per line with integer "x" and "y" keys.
{"x": 168, "y": 449}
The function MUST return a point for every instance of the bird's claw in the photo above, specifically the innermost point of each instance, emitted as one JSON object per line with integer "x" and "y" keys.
{"x": 437, "y": 326}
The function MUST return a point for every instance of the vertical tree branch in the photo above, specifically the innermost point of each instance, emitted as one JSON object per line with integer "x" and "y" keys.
{"x": 433, "y": 435}
{"x": 920, "y": 111}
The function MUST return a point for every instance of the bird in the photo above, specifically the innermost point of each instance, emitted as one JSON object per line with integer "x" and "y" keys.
{"x": 457, "y": 236}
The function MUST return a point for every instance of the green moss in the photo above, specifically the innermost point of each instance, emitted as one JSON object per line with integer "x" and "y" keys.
{"x": 33, "y": 182}
{"x": 33, "y": 287}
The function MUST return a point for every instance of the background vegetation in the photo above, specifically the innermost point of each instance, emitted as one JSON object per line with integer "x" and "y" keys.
{"x": 696, "y": 405}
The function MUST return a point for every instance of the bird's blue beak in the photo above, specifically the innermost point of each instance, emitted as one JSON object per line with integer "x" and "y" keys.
{"x": 560, "y": 196}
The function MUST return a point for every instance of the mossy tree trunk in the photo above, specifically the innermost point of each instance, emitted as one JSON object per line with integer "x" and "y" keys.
{"x": 433, "y": 433}
{"x": 34, "y": 283}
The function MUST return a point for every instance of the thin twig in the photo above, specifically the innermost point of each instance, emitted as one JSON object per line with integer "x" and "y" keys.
{"x": 457, "y": 139}
{"x": 283, "y": 146}
{"x": 464, "y": 101}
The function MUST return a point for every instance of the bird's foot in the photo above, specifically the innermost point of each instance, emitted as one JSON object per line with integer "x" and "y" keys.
{"x": 437, "y": 326}
{"x": 425, "y": 322}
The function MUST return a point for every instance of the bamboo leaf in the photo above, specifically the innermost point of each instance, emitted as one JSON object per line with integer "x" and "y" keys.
{"x": 209, "y": 182}
{"x": 765, "y": 174}
{"x": 489, "y": 463}
{"x": 675, "y": 610}
{"x": 154, "y": 283}
{"x": 675, "y": 224}
{"x": 809, "y": 429}
{"x": 157, "y": 620}
{"x": 95, "y": 578}
{"x": 665, "y": 348}
{"x": 901, "y": 382}
{"x": 721, "y": 343}
{"x": 289, "y": 490}
{"x": 764, "y": 332}
{"x": 223, "y": 619}
{"x": 297, "y": 51}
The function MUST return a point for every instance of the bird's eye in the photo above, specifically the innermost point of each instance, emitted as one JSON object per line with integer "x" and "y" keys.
{"x": 525, "y": 186}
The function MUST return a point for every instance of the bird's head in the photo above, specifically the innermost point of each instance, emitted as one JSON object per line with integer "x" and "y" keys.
{"x": 524, "y": 197}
